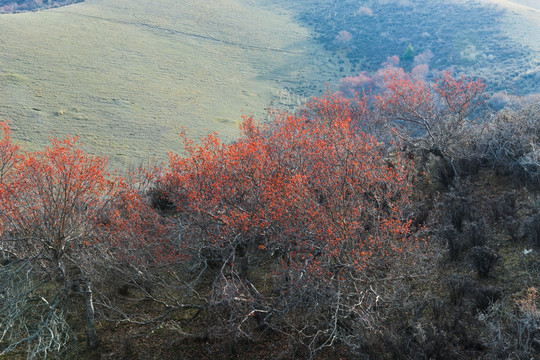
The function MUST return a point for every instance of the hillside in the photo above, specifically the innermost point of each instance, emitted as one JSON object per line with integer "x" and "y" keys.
{"x": 306, "y": 238}
{"x": 394, "y": 215}
{"x": 469, "y": 37}
{"x": 136, "y": 71}
{"x": 123, "y": 74}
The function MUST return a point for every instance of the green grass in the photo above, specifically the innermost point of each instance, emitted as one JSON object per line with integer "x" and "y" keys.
{"x": 126, "y": 75}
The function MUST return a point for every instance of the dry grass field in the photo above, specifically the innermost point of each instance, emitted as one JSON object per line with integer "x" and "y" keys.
{"x": 126, "y": 75}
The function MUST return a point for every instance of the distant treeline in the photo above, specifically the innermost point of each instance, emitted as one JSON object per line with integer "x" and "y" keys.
{"x": 13, "y": 6}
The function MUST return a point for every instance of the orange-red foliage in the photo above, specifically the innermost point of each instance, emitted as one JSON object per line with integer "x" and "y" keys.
{"x": 433, "y": 117}
{"x": 310, "y": 187}
{"x": 53, "y": 197}
{"x": 429, "y": 105}
{"x": 61, "y": 200}
{"x": 138, "y": 234}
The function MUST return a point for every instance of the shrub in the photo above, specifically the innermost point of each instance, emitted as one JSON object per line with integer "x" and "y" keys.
{"x": 528, "y": 322}
{"x": 64, "y": 223}
{"x": 433, "y": 118}
{"x": 486, "y": 296}
{"x": 483, "y": 259}
{"x": 444, "y": 173}
{"x": 343, "y": 37}
{"x": 513, "y": 334}
{"x": 454, "y": 241}
{"x": 459, "y": 287}
{"x": 509, "y": 143}
{"x": 314, "y": 193}
{"x": 511, "y": 226}
{"x": 458, "y": 207}
{"x": 474, "y": 233}
{"x": 409, "y": 53}
{"x": 504, "y": 206}
{"x": 532, "y": 229}
{"x": 48, "y": 212}
{"x": 9, "y": 153}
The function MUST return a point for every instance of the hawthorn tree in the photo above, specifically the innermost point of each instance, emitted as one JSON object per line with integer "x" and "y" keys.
{"x": 9, "y": 155}
{"x": 65, "y": 224}
{"x": 432, "y": 117}
{"x": 145, "y": 257}
{"x": 49, "y": 212}
{"x": 68, "y": 230}
{"x": 310, "y": 199}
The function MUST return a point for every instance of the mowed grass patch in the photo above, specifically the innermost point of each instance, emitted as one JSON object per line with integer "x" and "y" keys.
{"x": 125, "y": 76}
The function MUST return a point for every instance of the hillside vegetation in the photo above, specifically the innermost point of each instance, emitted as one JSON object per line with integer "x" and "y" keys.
{"x": 370, "y": 227}
{"x": 395, "y": 216}
{"x": 468, "y": 37}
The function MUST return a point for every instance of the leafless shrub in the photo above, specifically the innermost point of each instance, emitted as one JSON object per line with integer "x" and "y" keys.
{"x": 455, "y": 242}
{"x": 509, "y": 141}
{"x": 460, "y": 223}
{"x": 448, "y": 331}
{"x": 504, "y": 206}
{"x": 30, "y": 318}
{"x": 484, "y": 296}
{"x": 528, "y": 323}
{"x": 459, "y": 287}
{"x": 532, "y": 229}
{"x": 511, "y": 226}
{"x": 444, "y": 173}
{"x": 458, "y": 208}
{"x": 483, "y": 259}
{"x": 474, "y": 232}
{"x": 513, "y": 334}
{"x": 468, "y": 164}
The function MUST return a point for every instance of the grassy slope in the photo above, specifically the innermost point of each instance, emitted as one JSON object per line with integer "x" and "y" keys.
{"x": 126, "y": 75}
{"x": 522, "y": 23}
{"x": 464, "y": 36}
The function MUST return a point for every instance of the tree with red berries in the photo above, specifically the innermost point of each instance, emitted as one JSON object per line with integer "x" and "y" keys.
{"x": 431, "y": 117}
{"x": 67, "y": 226}
{"x": 308, "y": 191}
{"x": 50, "y": 212}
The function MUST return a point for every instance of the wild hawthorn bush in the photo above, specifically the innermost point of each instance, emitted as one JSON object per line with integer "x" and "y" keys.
{"x": 48, "y": 207}
{"x": 64, "y": 223}
{"x": 433, "y": 117}
{"x": 313, "y": 196}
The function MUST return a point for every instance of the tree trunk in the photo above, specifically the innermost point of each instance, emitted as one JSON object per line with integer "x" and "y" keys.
{"x": 91, "y": 336}
{"x": 244, "y": 261}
